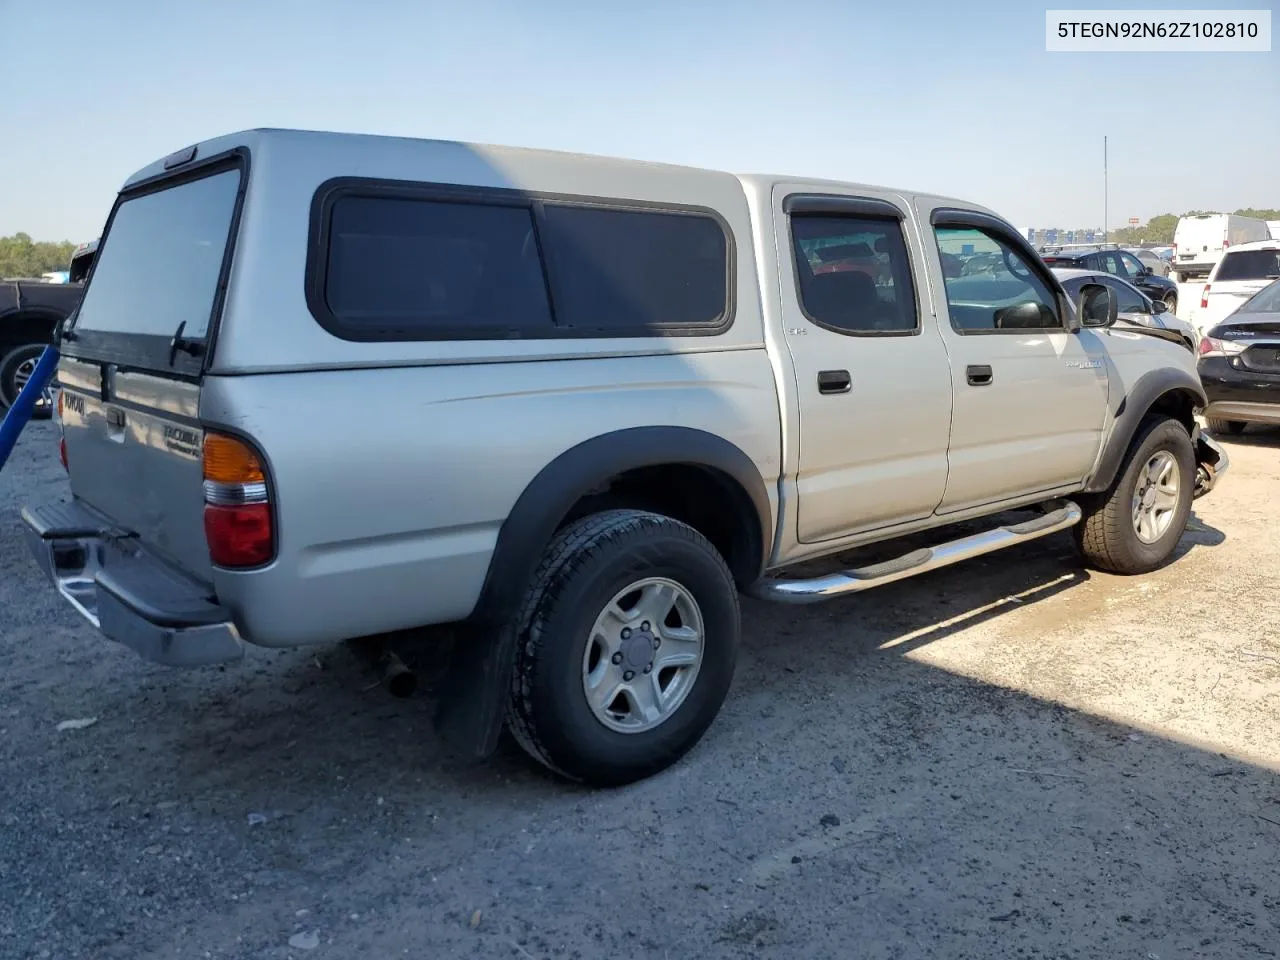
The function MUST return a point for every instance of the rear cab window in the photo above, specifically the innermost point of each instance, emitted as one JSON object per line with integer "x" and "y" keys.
{"x": 160, "y": 271}
{"x": 399, "y": 262}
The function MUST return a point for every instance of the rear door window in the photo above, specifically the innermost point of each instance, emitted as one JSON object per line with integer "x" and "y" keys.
{"x": 854, "y": 274}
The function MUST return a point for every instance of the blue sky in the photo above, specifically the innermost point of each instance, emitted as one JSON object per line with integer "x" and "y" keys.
{"x": 952, "y": 97}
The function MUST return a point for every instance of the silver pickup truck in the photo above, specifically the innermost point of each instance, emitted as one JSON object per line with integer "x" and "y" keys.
{"x": 324, "y": 387}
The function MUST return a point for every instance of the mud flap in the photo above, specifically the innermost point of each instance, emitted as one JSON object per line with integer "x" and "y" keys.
{"x": 475, "y": 691}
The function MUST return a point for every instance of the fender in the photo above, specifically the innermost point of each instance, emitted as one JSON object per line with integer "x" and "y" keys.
{"x": 1134, "y": 407}
{"x": 23, "y": 313}
{"x": 473, "y": 704}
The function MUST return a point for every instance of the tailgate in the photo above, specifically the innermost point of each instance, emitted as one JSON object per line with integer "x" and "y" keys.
{"x": 133, "y": 359}
{"x": 135, "y": 456}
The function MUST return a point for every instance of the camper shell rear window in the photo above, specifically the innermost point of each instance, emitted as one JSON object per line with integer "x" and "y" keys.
{"x": 160, "y": 270}
{"x": 401, "y": 261}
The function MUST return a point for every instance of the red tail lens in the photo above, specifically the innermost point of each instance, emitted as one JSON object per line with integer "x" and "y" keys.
{"x": 62, "y": 453}
{"x": 1204, "y": 297}
{"x": 239, "y": 536}
{"x": 237, "y": 512}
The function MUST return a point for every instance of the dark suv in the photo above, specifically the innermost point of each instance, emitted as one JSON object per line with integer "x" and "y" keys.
{"x": 1120, "y": 263}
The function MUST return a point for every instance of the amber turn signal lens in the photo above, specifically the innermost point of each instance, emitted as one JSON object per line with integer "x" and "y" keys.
{"x": 228, "y": 460}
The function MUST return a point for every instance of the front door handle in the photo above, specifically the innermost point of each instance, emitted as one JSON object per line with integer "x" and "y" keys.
{"x": 978, "y": 375}
{"x": 834, "y": 381}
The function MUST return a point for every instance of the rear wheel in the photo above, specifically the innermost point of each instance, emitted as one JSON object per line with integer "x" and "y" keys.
{"x": 1233, "y": 427}
{"x": 627, "y": 646}
{"x": 1171, "y": 301}
{"x": 16, "y": 368}
{"x": 1136, "y": 525}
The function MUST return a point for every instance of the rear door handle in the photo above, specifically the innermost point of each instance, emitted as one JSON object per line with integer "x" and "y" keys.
{"x": 834, "y": 381}
{"x": 978, "y": 375}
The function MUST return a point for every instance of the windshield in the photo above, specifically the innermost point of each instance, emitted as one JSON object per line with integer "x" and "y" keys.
{"x": 1267, "y": 300}
{"x": 1249, "y": 265}
{"x": 159, "y": 265}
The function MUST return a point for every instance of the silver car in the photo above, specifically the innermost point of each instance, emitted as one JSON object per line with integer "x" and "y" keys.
{"x": 1132, "y": 305}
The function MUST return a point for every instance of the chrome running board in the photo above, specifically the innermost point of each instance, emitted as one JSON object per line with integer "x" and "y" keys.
{"x": 1060, "y": 516}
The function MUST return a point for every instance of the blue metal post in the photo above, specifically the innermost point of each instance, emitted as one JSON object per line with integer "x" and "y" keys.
{"x": 22, "y": 408}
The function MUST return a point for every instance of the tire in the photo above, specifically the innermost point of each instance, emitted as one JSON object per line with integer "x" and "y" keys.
{"x": 1233, "y": 427}
{"x": 15, "y": 367}
{"x": 1171, "y": 301}
{"x": 585, "y": 568}
{"x": 1108, "y": 534}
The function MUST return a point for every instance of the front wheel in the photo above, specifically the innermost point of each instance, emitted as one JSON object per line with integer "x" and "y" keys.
{"x": 1136, "y": 525}
{"x": 16, "y": 368}
{"x": 626, "y": 648}
{"x": 1171, "y": 301}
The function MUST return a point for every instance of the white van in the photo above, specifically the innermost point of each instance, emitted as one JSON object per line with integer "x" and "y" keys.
{"x": 1198, "y": 241}
{"x": 1274, "y": 227}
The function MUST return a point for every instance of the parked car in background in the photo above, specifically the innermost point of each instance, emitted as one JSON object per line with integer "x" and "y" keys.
{"x": 1242, "y": 272}
{"x": 1152, "y": 260}
{"x": 81, "y": 261}
{"x": 30, "y": 310}
{"x": 1122, "y": 264}
{"x": 1199, "y": 241}
{"x": 1240, "y": 364}
{"x": 1132, "y": 305}
{"x": 1274, "y": 227}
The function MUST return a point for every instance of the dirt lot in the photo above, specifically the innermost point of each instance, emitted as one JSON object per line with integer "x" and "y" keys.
{"x": 1014, "y": 758}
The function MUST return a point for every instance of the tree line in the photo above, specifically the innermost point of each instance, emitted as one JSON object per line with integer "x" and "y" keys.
{"x": 20, "y": 256}
{"x": 1160, "y": 229}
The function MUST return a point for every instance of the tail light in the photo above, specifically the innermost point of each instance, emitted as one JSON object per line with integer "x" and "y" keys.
{"x": 237, "y": 504}
{"x": 1209, "y": 347}
{"x": 1204, "y": 297}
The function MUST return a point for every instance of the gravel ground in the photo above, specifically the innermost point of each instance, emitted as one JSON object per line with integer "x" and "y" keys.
{"x": 1013, "y": 758}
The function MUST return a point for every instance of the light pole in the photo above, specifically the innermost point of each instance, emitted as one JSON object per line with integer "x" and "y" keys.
{"x": 1104, "y": 189}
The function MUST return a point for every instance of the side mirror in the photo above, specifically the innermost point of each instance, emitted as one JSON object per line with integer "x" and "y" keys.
{"x": 1029, "y": 315}
{"x": 1097, "y": 306}
{"x": 1159, "y": 306}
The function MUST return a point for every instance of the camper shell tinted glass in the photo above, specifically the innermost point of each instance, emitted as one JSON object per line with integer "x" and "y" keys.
{"x": 401, "y": 261}
{"x": 160, "y": 270}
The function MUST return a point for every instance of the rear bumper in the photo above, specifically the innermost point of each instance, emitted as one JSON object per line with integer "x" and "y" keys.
{"x": 1236, "y": 393}
{"x": 1244, "y": 411}
{"x": 130, "y": 595}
